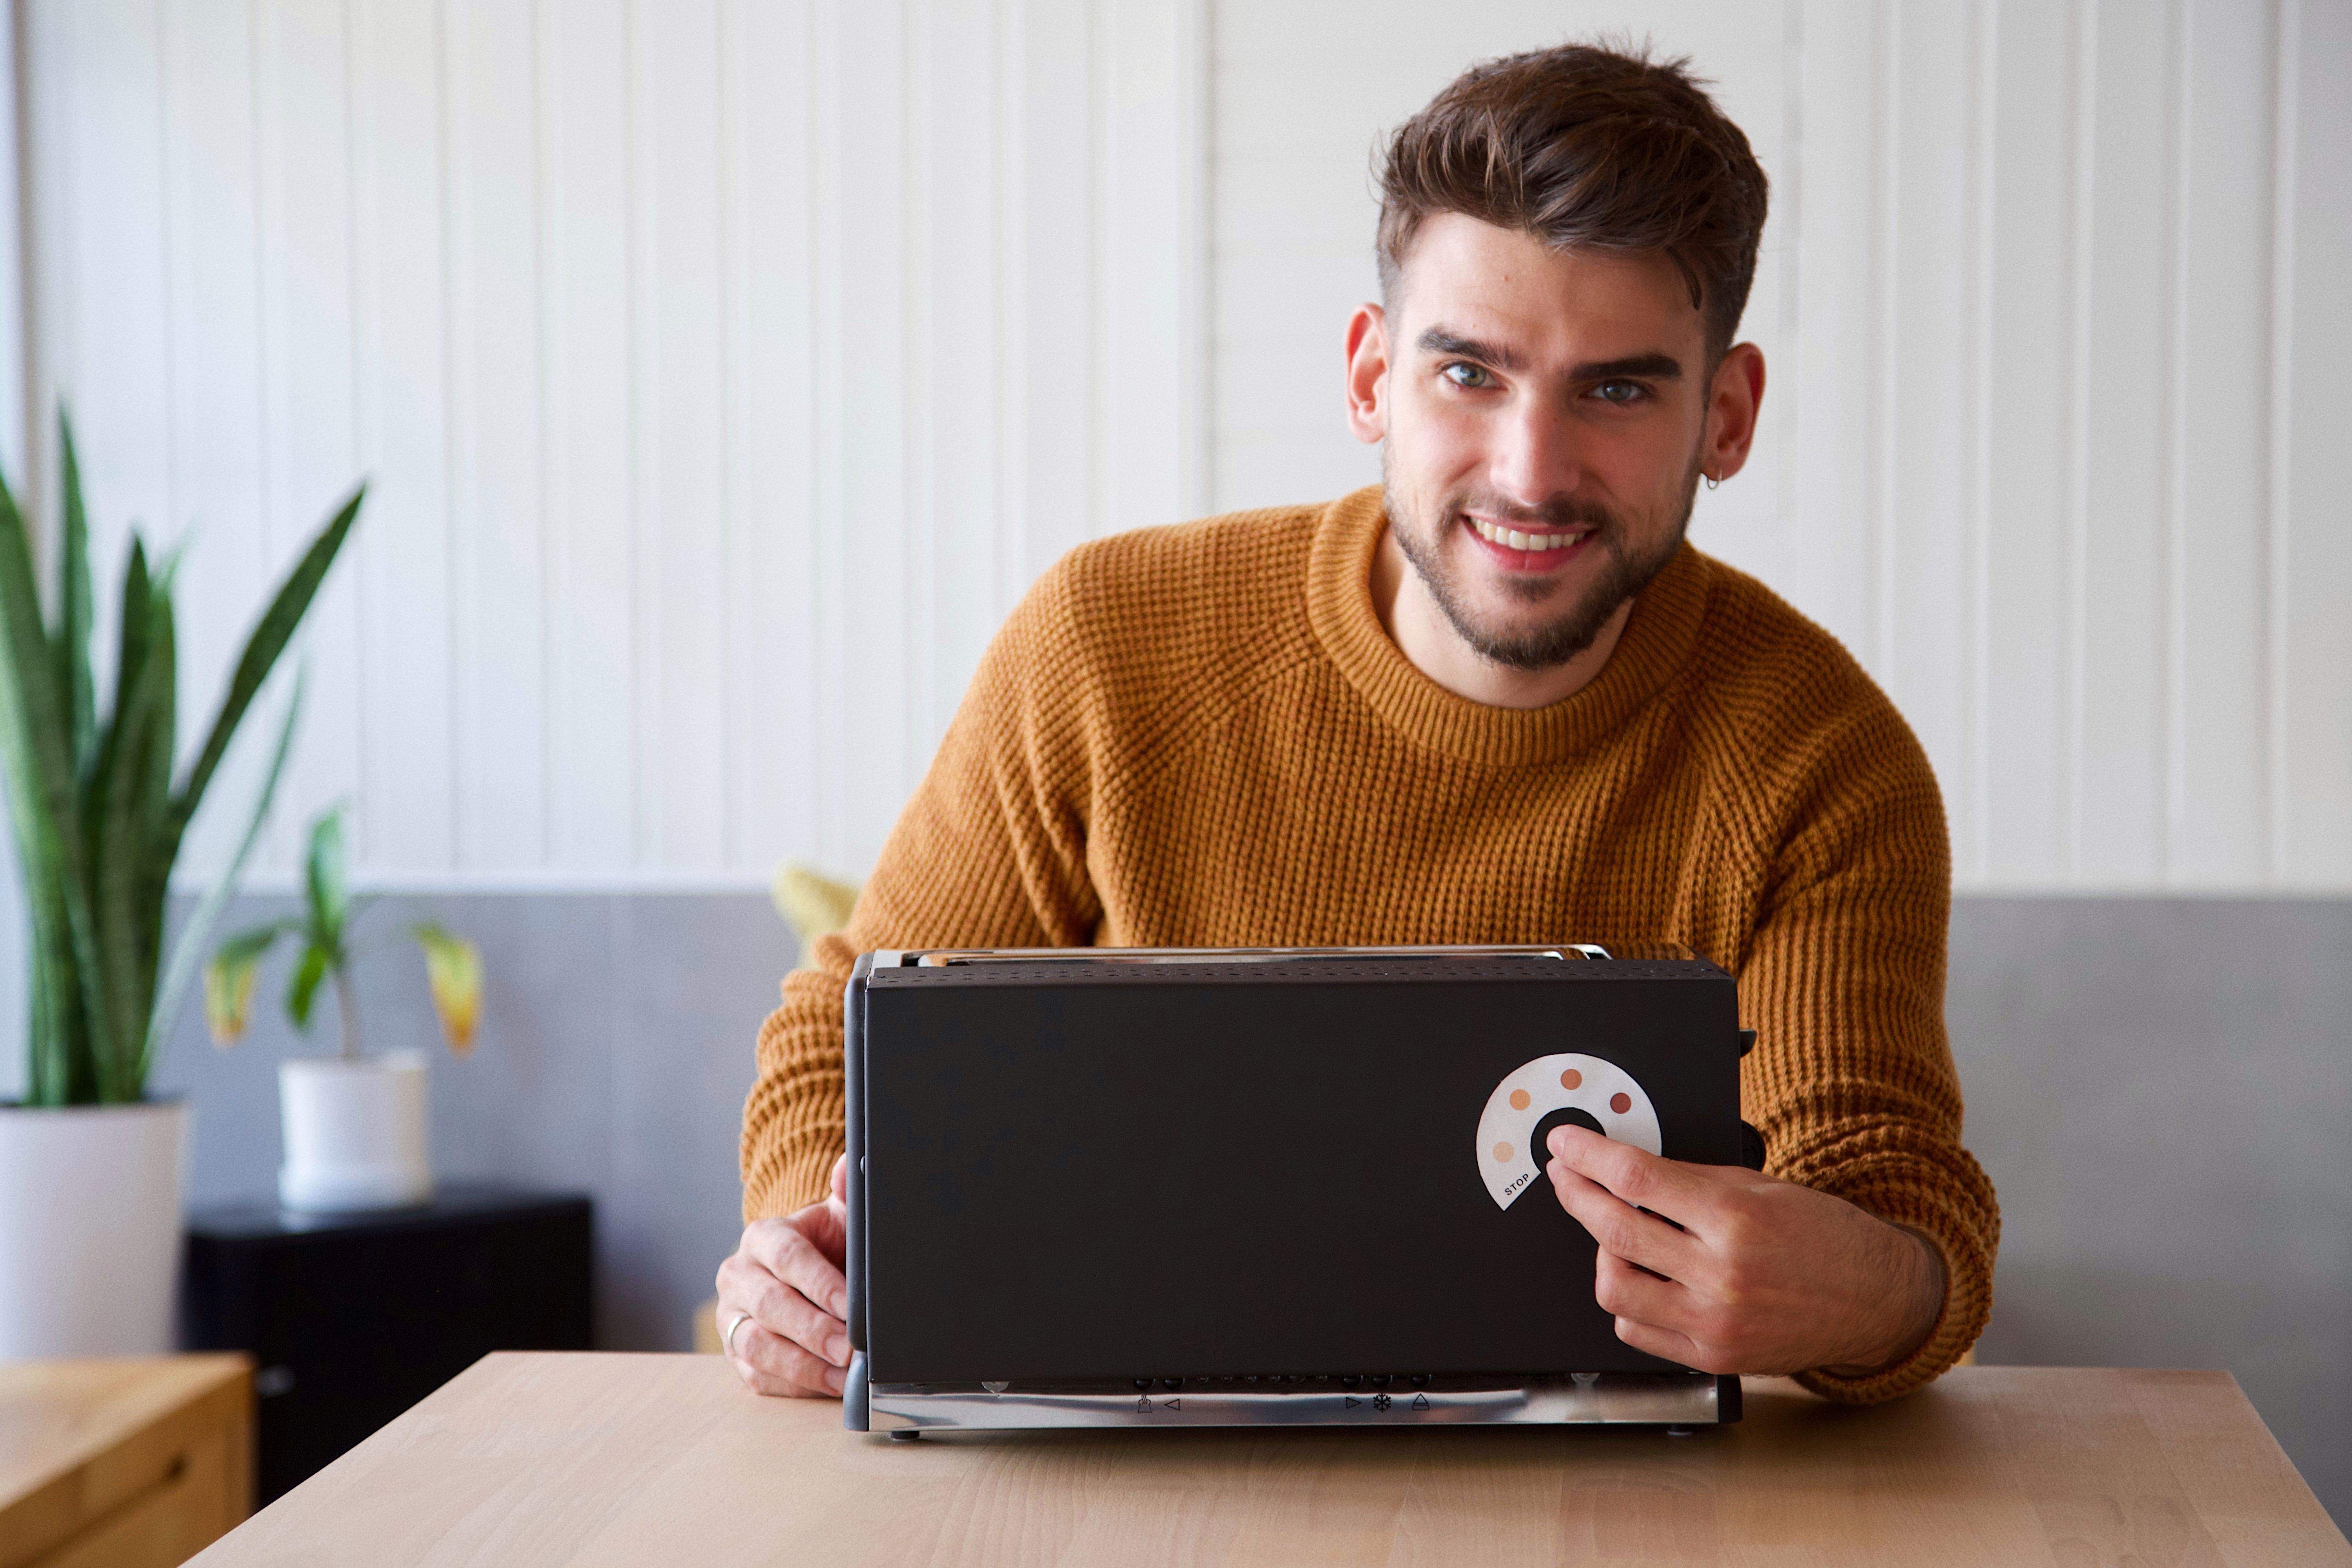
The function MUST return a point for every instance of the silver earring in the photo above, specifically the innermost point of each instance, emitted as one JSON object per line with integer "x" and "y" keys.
{"x": 1713, "y": 483}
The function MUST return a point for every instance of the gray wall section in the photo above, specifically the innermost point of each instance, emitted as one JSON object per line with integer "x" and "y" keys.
{"x": 2162, "y": 1093}
{"x": 2161, "y": 1089}
{"x": 614, "y": 1051}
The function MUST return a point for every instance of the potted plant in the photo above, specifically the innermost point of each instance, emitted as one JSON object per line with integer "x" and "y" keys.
{"x": 355, "y": 1124}
{"x": 90, "y": 1167}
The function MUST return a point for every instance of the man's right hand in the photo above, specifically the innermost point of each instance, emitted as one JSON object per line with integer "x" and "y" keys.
{"x": 787, "y": 1276}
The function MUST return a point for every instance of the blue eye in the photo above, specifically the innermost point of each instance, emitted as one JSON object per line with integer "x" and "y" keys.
{"x": 1469, "y": 376}
{"x": 1621, "y": 392}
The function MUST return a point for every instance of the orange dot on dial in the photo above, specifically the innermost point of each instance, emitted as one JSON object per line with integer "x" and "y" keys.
{"x": 1621, "y": 1103}
{"x": 1572, "y": 1078}
{"x": 1518, "y": 1100}
{"x": 1502, "y": 1151}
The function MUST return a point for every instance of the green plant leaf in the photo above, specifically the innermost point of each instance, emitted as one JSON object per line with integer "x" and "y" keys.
{"x": 26, "y": 730}
{"x": 323, "y": 877}
{"x": 44, "y": 797}
{"x": 75, "y": 615}
{"x": 229, "y": 979}
{"x": 304, "y": 988}
{"x": 181, "y": 974}
{"x": 129, "y": 794}
{"x": 269, "y": 640}
{"x": 131, "y": 656}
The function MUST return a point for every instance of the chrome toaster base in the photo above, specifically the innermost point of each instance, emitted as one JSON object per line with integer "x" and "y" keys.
{"x": 1613, "y": 1398}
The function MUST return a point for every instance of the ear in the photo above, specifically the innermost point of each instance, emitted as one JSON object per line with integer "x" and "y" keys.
{"x": 1368, "y": 373}
{"x": 1733, "y": 399}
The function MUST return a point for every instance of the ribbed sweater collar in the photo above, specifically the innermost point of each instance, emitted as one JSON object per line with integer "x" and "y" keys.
{"x": 1658, "y": 640}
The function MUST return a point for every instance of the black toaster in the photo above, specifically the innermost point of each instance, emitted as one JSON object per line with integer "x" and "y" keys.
{"x": 1158, "y": 1187}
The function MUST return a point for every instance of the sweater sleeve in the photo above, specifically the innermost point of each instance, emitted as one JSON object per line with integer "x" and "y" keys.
{"x": 990, "y": 852}
{"x": 1851, "y": 1082}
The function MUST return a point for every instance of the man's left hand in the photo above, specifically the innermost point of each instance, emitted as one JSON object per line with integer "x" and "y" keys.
{"x": 1764, "y": 1276}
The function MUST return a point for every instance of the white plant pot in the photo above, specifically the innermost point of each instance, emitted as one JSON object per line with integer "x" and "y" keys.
{"x": 90, "y": 1229}
{"x": 355, "y": 1134}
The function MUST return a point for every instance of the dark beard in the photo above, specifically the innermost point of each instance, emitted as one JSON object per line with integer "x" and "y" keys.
{"x": 1553, "y": 644}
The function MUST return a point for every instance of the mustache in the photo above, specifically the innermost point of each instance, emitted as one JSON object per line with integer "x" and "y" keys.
{"x": 1559, "y": 512}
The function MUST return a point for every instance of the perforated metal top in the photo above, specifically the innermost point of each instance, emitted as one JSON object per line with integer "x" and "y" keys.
{"x": 1120, "y": 967}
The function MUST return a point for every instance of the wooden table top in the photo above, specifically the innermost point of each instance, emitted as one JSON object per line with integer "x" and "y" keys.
{"x": 629, "y": 1459}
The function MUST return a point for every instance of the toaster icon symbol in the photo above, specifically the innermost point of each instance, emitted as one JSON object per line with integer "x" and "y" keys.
{"x": 1591, "y": 1091}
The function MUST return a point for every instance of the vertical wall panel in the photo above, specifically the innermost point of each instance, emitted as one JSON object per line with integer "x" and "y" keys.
{"x": 309, "y": 456}
{"x": 1832, "y": 375}
{"x": 869, "y": 374}
{"x": 681, "y": 389}
{"x": 212, "y": 211}
{"x": 958, "y": 466}
{"x": 121, "y": 255}
{"x": 2129, "y": 370}
{"x": 15, "y": 353}
{"x": 2313, "y": 530}
{"x": 402, "y": 548}
{"x": 1056, "y": 316}
{"x": 771, "y": 648}
{"x": 1152, "y": 435}
{"x": 1926, "y": 609}
{"x": 499, "y": 498}
{"x": 2219, "y": 451}
{"x": 588, "y": 308}
{"x": 2028, "y": 410}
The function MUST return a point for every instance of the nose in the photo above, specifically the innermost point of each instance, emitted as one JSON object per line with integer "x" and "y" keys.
{"x": 1535, "y": 457}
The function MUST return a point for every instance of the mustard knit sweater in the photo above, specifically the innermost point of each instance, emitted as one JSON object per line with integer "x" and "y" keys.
{"x": 1199, "y": 736}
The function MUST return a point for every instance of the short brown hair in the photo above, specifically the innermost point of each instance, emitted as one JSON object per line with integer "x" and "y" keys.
{"x": 1591, "y": 148}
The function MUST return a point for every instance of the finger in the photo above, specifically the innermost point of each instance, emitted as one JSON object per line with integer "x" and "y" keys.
{"x": 826, "y": 1225}
{"x": 791, "y": 1256}
{"x": 1625, "y": 1291}
{"x": 1669, "y": 1345}
{"x": 1670, "y": 1187}
{"x": 784, "y": 1311}
{"x": 1620, "y": 1227}
{"x": 840, "y": 1182}
{"x": 773, "y": 1365}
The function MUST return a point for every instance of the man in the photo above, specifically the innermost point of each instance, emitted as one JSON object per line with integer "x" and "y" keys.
{"x": 1495, "y": 699}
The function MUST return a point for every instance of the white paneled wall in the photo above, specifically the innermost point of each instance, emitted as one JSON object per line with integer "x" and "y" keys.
{"x": 725, "y": 369}
{"x": 2048, "y": 297}
{"x": 722, "y": 371}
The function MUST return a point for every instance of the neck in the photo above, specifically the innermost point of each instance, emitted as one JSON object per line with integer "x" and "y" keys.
{"x": 1419, "y": 627}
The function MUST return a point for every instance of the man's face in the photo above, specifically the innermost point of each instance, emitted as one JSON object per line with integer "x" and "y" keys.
{"x": 1546, "y": 417}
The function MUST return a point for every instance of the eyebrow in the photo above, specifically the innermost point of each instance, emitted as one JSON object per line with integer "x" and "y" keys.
{"x": 1646, "y": 367}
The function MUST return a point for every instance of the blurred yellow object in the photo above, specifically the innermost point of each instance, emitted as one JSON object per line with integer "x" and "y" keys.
{"x": 812, "y": 904}
{"x": 228, "y": 995}
{"x": 453, "y": 968}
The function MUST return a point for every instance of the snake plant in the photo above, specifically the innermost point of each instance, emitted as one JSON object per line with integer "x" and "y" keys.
{"x": 98, "y": 813}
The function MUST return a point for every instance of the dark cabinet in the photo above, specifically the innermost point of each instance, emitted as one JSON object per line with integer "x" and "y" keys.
{"x": 351, "y": 1320}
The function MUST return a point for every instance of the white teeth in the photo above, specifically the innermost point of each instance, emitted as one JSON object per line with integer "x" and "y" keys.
{"x": 1518, "y": 540}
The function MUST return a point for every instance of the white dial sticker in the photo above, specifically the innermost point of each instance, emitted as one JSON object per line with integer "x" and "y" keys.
{"x": 1601, "y": 1089}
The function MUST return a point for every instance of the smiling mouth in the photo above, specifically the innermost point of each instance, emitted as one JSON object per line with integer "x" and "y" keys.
{"x": 1527, "y": 549}
{"x": 1520, "y": 539}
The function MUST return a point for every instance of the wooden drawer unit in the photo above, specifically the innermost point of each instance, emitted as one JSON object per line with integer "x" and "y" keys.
{"x": 139, "y": 1462}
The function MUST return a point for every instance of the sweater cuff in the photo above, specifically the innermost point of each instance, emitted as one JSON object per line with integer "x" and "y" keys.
{"x": 799, "y": 1175}
{"x": 1967, "y": 1304}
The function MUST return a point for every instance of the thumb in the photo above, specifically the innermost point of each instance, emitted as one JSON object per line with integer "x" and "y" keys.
{"x": 841, "y": 1181}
